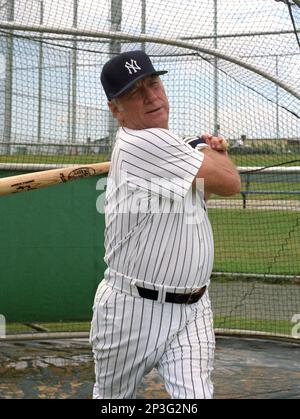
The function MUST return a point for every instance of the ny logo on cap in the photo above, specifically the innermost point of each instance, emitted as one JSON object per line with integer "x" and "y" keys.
{"x": 132, "y": 66}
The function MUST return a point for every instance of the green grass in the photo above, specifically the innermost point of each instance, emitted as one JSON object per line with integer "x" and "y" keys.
{"x": 265, "y": 159}
{"x": 256, "y": 241}
{"x": 68, "y": 327}
{"x": 12, "y": 328}
{"x": 287, "y": 187}
{"x": 274, "y": 186}
{"x": 64, "y": 159}
{"x": 269, "y": 326}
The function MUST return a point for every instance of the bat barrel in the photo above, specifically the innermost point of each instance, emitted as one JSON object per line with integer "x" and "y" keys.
{"x": 36, "y": 180}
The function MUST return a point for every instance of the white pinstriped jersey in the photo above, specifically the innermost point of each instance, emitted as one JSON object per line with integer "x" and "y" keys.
{"x": 149, "y": 236}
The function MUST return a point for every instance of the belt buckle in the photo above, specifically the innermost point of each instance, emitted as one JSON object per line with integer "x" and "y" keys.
{"x": 196, "y": 295}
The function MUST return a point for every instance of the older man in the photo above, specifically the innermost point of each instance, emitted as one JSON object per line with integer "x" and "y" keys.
{"x": 152, "y": 309}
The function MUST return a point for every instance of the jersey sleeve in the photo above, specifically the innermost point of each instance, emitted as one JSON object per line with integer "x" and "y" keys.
{"x": 159, "y": 162}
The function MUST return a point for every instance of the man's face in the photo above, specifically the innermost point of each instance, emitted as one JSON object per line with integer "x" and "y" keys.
{"x": 145, "y": 105}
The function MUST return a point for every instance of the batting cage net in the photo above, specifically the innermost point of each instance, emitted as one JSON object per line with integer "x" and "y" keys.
{"x": 233, "y": 69}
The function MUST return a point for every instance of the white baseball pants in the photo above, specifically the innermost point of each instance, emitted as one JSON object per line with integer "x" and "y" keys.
{"x": 131, "y": 335}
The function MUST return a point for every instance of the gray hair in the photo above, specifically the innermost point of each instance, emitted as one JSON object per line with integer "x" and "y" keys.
{"x": 115, "y": 101}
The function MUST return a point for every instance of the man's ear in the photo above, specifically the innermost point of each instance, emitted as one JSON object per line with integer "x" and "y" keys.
{"x": 115, "y": 110}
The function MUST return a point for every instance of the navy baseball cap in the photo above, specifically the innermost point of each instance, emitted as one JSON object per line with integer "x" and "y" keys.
{"x": 123, "y": 70}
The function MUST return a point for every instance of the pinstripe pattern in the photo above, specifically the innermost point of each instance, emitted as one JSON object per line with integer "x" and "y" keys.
{"x": 145, "y": 245}
{"x": 130, "y": 336}
{"x": 161, "y": 250}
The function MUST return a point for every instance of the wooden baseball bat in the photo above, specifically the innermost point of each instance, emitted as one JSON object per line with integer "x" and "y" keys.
{"x": 36, "y": 180}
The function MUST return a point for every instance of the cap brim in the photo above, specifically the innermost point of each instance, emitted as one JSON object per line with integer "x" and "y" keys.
{"x": 130, "y": 84}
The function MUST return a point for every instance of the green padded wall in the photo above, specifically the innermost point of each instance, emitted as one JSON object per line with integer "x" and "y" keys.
{"x": 52, "y": 249}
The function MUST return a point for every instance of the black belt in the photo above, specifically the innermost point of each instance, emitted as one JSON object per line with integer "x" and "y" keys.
{"x": 172, "y": 297}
